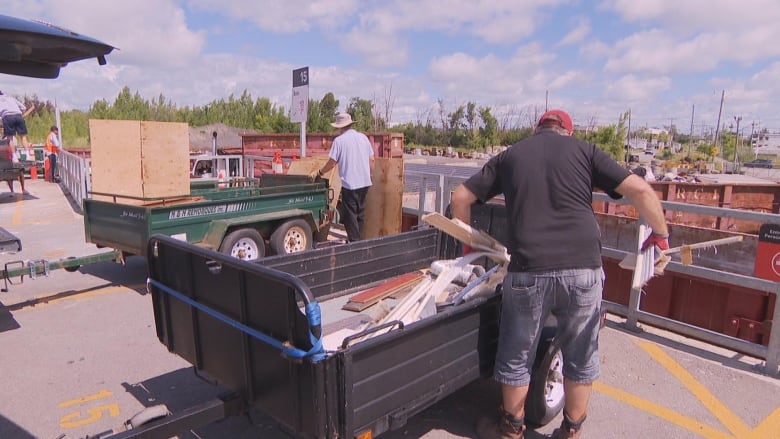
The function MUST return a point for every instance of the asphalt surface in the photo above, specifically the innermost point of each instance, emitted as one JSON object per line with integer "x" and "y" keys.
{"x": 79, "y": 355}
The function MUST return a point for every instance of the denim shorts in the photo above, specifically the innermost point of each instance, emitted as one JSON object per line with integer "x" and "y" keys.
{"x": 573, "y": 296}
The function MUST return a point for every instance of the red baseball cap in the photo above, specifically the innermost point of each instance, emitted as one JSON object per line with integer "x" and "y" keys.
{"x": 559, "y": 117}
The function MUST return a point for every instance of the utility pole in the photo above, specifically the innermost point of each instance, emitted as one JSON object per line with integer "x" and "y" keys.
{"x": 736, "y": 142}
{"x": 752, "y": 131}
{"x": 628, "y": 137}
{"x": 690, "y": 141}
{"x": 717, "y": 127}
{"x": 546, "y": 93}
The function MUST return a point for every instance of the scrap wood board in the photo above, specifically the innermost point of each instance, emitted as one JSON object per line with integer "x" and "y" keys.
{"x": 142, "y": 159}
{"x": 464, "y": 232}
{"x": 366, "y": 298}
{"x": 384, "y": 201}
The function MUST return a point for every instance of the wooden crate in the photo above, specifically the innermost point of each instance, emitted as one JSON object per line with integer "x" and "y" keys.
{"x": 141, "y": 159}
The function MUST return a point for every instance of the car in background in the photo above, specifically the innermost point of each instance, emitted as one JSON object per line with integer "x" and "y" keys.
{"x": 759, "y": 163}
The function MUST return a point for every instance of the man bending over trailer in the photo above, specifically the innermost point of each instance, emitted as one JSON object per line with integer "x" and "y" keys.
{"x": 554, "y": 243}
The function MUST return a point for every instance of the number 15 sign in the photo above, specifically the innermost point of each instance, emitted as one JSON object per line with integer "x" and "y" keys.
{"x": 300, "y": 95}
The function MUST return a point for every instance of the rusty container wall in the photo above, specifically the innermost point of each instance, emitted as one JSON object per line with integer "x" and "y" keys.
{"x": 317, "y": 144}
{"x": 763, "y": 198}
{"x": 739, "y": 312}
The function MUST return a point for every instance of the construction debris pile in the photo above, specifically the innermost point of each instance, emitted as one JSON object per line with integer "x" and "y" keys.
{"x": 414, "y": 296}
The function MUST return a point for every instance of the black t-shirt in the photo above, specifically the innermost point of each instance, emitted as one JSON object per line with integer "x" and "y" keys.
{"x": 547, "y": 181}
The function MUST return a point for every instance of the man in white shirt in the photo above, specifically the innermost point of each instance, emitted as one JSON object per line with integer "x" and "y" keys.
{"x": 353, "y": 153}
{"x": 12, "y": 112}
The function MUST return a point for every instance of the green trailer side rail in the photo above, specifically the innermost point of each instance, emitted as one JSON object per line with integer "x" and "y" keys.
{"x": 206, "y": 215}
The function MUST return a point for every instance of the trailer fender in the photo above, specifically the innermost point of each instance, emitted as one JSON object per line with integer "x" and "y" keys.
{"x": 219, "y": 228}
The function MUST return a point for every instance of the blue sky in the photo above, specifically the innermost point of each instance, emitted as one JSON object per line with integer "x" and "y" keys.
{"x": 662, "y": 59}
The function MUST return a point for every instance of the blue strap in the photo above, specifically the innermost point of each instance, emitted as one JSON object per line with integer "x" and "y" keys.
{"x": 316, "y": 353}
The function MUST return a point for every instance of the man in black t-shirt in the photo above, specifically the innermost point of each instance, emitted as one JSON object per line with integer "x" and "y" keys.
{"x": 547, "y": 181}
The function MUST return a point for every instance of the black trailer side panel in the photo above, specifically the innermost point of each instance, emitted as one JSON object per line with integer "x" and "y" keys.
{"x": 260, "y": 298}
{"x": 336, "y": 270}
{"x": 396, "y": 375}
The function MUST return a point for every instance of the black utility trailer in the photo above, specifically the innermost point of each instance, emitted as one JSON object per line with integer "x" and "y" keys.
{"x": 256, "y": 328}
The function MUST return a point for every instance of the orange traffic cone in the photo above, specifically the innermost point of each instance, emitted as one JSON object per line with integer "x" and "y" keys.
{"x": 276, "y": 164}
{"x": 34, "y": 173}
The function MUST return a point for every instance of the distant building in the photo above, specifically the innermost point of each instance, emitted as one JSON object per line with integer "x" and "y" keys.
{"x": 766, "y": 143}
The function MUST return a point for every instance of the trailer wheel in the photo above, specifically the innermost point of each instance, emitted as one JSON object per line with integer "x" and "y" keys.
{"x": 291, "y": 237}
{"x": 245, "y": 244}
{"x": 545, "y": 394}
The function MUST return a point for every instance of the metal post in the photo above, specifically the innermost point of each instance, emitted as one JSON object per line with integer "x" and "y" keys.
{"x": 773, "y": 349}
{"x": 440, "y": 206}
{"x": 421, "y": 201}
{"x": 634, "y": 300}
{"x": 736, "y": 142}
{"x": 303, "y": 138}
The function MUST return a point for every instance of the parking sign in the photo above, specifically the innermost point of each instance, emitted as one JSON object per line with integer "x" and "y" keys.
{"x": 300, "y": 95}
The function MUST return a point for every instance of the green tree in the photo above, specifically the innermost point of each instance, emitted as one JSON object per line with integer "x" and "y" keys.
{"x": 362, "y": 110}
{"x": 489, "y": 130}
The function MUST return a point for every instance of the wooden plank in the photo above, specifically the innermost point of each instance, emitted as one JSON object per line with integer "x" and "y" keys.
{"x": 139, "y": 159}
{"x": 165, "y": 159}
{"x": 116, "y": 157}
{"x": 477, "y": 239}
{"x": 384, "y": 202}
{"x": 369, "y": 297}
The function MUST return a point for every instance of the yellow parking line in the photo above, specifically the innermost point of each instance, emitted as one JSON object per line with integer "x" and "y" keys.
{"x": 662, "y": 412}
{"x": 18, "y": 208}
{"x": 735, "y": 425}
{"x": 768, "y": 428}
{"x": 100, "y": 395}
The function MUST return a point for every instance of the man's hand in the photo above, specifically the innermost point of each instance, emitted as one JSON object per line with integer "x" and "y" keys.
{"x": 659, "y": 240}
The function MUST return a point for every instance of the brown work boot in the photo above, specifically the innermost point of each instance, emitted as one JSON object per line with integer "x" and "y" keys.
{"x": 499, "y": 427}
{"x": 569, "y": 429}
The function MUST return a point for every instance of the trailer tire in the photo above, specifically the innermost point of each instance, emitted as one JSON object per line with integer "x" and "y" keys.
{"x": 545, "y": 394}
{"x": 245, "y": 244}
{"x": 291, "y": 237}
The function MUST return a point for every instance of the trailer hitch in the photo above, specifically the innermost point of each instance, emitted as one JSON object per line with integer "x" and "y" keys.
{"x": 34, "y": 264}
{"x": 7, "y": 277}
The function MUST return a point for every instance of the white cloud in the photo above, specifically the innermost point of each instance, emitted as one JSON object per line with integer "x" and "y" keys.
{"x": 578, "y": 34}
{"x": 698, "y": 15}
{"x": 288, "y": 16}
{"x": 630, "y": 88}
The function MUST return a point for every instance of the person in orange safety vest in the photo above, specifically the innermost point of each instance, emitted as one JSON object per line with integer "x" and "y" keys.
{"x": 52, "y": 149}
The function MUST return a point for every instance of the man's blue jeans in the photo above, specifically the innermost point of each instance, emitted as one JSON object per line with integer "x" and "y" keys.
{"x": 574, "y": 297}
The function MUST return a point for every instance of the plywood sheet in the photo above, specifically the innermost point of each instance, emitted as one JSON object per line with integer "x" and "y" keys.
{"x": 139, "y": 159}
{"x": 384, "y": 201}
{"x": 116, "y": 157}
{"x": 165, "y": 159}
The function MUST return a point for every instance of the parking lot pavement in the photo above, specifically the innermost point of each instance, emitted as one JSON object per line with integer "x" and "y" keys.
{"x": 80, "y": 356}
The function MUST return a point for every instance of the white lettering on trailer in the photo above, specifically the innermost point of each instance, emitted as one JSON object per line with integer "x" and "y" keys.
{"x": 208, "y": 210}
{"x": 306, "y": 199}
{"x": 133, "y": 215}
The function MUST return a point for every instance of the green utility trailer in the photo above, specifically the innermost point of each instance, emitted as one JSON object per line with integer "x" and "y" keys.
{"x": 245, "y": 218}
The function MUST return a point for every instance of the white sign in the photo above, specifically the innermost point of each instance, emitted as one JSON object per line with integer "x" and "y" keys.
{"x": 300, "y": 95}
